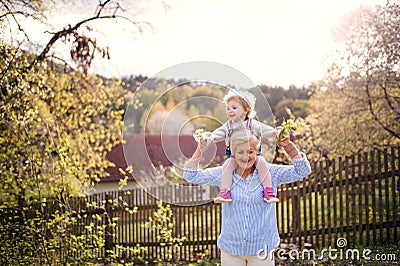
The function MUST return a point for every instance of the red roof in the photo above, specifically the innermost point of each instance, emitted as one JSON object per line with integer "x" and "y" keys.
{"x": 145, "y": 150}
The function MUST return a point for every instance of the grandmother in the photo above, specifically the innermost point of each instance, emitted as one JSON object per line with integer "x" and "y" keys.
{"x": 249, "y": 231}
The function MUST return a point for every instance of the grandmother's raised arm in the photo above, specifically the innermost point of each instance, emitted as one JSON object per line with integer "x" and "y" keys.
{"x": 192, "y": 173}
{"x": 290, "y": 148}
{"x": 194, "y": 160}
{"x": 300, "y": 168}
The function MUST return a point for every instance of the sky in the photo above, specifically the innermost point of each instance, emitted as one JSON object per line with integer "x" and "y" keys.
{"x": 277, "y": 43}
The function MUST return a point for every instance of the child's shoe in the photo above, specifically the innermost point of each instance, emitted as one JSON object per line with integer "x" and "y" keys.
{"x": 269, "y": 195}
{"x": 223, "y": 196}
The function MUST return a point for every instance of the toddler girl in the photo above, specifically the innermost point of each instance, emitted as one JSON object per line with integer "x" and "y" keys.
{"x": 240, "y": 112}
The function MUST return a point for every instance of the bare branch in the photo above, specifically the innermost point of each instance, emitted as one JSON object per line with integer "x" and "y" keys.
{"x": 101, "y": 7}
{"x": 13, "y": 14}
{"x": 63, "y": 33}
{"x": 376, "y": 118}
{"x": 389, "y": 101}
{"x": 70, "y": 30}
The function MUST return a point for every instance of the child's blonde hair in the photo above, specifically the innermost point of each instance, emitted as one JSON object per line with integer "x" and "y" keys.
{"x": 244, "y": 136}
{"x": 245, "y": 99}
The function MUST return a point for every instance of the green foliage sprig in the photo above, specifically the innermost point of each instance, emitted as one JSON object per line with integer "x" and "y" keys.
{"x": 290, "y": 126}
{"x": 162, "y": 224}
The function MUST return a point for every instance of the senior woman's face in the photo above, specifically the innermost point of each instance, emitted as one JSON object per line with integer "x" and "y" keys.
{"x": 245, "y": 155}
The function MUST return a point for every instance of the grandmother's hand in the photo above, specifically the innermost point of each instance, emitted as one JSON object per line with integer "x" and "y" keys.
{"x": 280, "y": 138}
{"x": 285, "y": 141}
{"x": 202, "y": 145}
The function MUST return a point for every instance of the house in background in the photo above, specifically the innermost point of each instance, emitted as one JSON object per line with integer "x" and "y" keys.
{"x": 155, "y": 147}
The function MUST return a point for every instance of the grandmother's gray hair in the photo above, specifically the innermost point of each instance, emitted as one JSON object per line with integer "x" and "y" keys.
{"x": 242, "y": 136}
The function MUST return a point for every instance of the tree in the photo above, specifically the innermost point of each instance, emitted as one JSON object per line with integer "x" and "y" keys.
{"x": 51, "y": 113}
{"x": 357, "y": 107}
{"x": 55, "y": 130}
{"x": 56, "y": 126}
{"x": 287, "y": 103}
{"x": 288, "y": 108}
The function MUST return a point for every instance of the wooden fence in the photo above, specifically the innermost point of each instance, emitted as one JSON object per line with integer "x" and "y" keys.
{"x": 355, "y": 197}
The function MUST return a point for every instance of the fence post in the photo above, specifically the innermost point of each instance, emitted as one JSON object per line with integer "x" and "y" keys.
{"x": 108, "y": 229}
{"x": 295, "y": 208}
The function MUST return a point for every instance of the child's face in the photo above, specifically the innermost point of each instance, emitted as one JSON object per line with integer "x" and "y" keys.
{"x": 235, "y": 111}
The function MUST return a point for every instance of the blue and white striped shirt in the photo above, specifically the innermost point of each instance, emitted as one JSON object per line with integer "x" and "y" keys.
{"x": 248, "y": 222}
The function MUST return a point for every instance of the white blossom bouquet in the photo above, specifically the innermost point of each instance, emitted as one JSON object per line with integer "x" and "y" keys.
{"x": 200, "y": 134}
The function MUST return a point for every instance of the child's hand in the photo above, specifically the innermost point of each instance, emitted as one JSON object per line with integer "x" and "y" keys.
{"x": 207, "y": 137}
